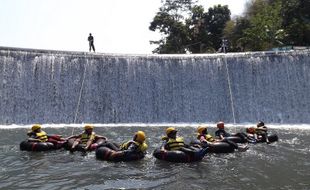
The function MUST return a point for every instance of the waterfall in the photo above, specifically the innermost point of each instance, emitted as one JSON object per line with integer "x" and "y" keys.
{"x": 42, "y": 86}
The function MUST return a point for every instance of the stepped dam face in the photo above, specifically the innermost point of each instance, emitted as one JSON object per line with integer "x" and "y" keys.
{"x": 40, "y": 86}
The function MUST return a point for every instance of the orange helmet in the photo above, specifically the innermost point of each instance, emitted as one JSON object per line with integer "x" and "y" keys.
{"x": 201, "y": 128}
{"x": 220, "y": 125}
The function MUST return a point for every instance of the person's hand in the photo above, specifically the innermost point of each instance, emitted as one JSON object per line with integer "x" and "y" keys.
{"x": 162, "y": 150}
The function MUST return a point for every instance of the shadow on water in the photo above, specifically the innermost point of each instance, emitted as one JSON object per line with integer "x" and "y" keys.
{"x": 281, "y": 165}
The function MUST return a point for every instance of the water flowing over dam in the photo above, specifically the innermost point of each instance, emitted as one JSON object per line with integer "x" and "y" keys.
{"x": 41, "y": 86}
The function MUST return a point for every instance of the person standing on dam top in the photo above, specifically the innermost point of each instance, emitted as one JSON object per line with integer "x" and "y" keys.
{"x": 91, "y": 42}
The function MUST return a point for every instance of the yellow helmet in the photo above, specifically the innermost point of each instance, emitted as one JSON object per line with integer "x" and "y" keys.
{"x": 88, "y": 127}
{"x": 35, "y": 127}
{"x": 201, "y": 128}
{"x": 140, "y": 136}
{"x": 170, "y": 130}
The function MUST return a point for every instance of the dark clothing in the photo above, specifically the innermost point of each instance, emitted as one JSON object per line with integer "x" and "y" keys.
{"x": 91, "y": 43}
{"x": 222, "y": 132}
{"x": 231, "y": 143}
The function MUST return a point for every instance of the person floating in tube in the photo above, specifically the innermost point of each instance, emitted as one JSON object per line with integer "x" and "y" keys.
{"x": 137, "y": 144}
{"x": 221, "y": 133}
{"x": 205, "y": 138}
{"x": 258, "y": 133}
{"x": 261, "y": 130}
{"x": 91, "y": 42}
{"x": 174, "y": 142}
{"x": 37, "y": 134}
{"x": 87, "y": 138}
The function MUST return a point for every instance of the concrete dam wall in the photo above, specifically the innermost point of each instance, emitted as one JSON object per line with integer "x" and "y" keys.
{"x": 41, "y": 86}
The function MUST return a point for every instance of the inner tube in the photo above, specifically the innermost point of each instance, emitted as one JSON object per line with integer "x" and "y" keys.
{"x": 105, "y": 153}
{"x": 195, "y": 155}
{"x": 238, "y": 138}
{"x": 271, "y": 138}
{"x": 36, "y": 146}
{"x": 80, "y": 147}
{"x": 54, "y": 142}
{"x": 57, "y": 141}
{"x": 215, "y": 147}
{"x": 220, "y": 147}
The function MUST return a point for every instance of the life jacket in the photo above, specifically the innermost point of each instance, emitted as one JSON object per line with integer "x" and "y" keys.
{"x": 42, "y": 136}
{"x": 85, "y": 137}
{"x": 175, "y": 144}
{"x": 141, "y": 146}
{"x": 208, "y": 137}
{"x": 261, "y": 130}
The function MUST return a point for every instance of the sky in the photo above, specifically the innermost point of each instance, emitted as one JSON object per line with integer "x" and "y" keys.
{"x": 118, "y": 26}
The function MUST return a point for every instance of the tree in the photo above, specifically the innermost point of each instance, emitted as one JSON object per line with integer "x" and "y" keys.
{"x": 215, "y": 20}
{"x": 265, "y": 29}
{"x": 206, "y": 28}
{"x": 274, "y": 23}
{"x": 198, "y": 36}
{"x": 170, "y": 22}
{"x": 186, "y": 27}
{"x": 235, "y": 33}
{"x": 296, "y": 22}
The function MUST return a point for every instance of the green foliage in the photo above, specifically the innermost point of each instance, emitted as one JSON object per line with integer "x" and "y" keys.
{"x": 187, "y": 27}
{"x": 235, "y": 33}
{"x": 271, "y": 23}
{"x": 170, "y": 22}
{"x": 215, "y": 21}
{"x": 199, "y": 32}
{"x": 265, "y": 29}
{"x": 296, "y": 22}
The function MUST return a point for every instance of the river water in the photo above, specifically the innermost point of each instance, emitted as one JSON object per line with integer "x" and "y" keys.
{"x": 281, "y": 165}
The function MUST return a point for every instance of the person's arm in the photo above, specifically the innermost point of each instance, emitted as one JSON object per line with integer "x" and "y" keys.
{"x": 163, "y": 146}
{"x": 132, "y": 147}
{"x": 88, "y": 144}
{"x": 221, "y": 136}
{"x": 202, "y": 139}
{"x": 264, "y": 128}
{"x": 255, "y": 136}
{"x": 72, "y": 136}
{"x": 90, "y": 141}
{"x": 30, "y": 133}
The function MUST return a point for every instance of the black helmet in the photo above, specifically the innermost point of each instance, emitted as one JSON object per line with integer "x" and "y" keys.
{"x": 260, "y": 124}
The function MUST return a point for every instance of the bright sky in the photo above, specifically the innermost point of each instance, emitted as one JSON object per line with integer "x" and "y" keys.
{"x": 118, "y": 26}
